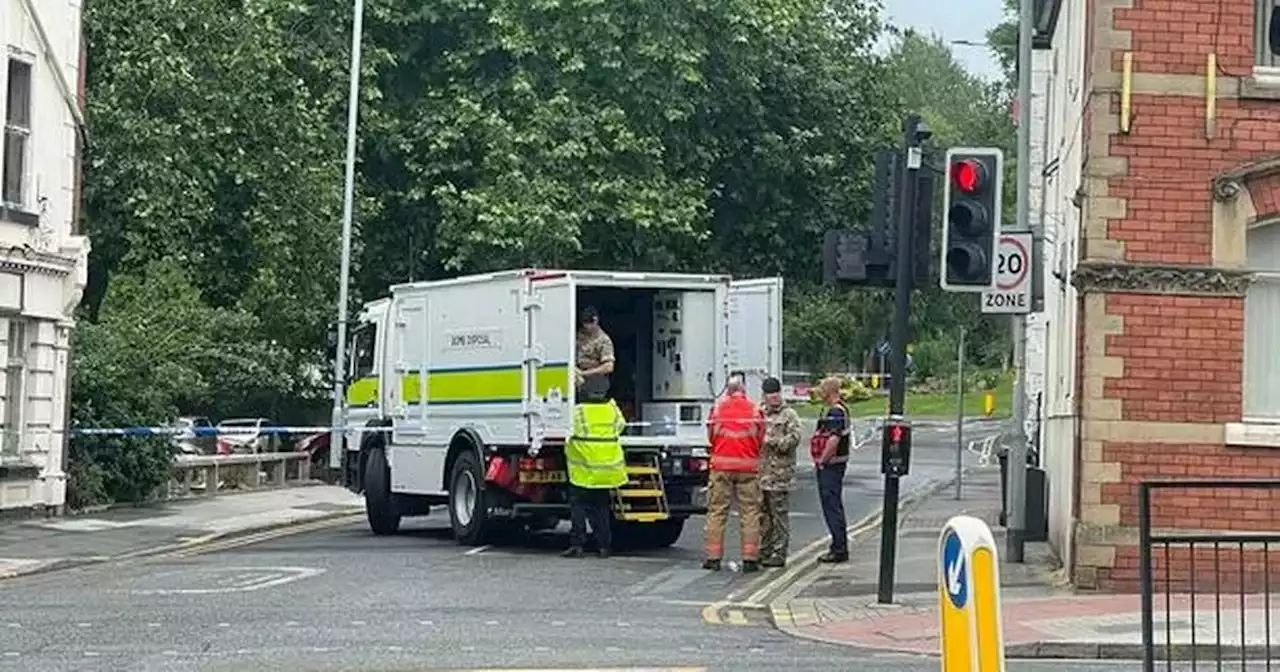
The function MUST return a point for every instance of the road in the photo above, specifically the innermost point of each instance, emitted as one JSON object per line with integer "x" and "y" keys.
{"x": 341, "y": 599}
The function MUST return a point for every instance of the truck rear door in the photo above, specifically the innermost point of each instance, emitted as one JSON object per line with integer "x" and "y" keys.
{"x": 406, "y": 388}
{"x": 550, "y": 325}
{"x": 755, "y": 330}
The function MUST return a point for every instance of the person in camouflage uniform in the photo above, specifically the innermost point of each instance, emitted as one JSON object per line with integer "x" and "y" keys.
{"x": 777, "y": 473}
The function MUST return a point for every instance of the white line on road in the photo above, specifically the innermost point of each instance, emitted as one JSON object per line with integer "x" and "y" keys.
{"x": 478, "y": 550}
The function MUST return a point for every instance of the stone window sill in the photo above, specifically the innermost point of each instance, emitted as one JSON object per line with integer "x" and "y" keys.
{"x": 16, "y": 467}
{"x": 1253, "y": 434}
{"x": 18, "y": 216}
{"x": 1263, "y": 85}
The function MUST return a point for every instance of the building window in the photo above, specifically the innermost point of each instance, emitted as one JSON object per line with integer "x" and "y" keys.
{"x": 17, "y": 132}
{"x": 15, "y": 382}
{"x": 1262, "y": 325}
{"x": 1266, "y": 34}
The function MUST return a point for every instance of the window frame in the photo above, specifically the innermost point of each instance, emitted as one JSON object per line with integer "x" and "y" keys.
{"x": 357, "y": 371}
{"x": 1255, "y": 430}
{"x": 17, "y": 368}
{"x": 27, "y": 132}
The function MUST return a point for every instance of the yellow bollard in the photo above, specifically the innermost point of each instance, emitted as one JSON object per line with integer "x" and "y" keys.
{"x": 875, "y": 382}
{"x": 972, "y": 631}
{"x": 989, "y": 403}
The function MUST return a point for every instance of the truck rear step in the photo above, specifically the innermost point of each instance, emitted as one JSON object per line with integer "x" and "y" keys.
{"x": 644, "y": 498}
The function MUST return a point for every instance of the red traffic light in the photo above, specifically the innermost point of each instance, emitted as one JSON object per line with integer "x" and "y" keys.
{"x": 895, "y": 434}
{"x": 969, "y": 175}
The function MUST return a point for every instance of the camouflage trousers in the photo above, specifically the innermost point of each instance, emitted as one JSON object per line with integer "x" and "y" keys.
{"x": 727, "y": 486}
{"x": 775, "y": 527}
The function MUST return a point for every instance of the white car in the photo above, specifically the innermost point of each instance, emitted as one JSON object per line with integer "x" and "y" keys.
{"x": 248, "y": 439}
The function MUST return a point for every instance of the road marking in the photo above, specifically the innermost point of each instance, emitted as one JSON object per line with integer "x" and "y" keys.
{"x": 478, "y": 550}
{"x": 210, "y": 543}
{"x": 269, "y": 578}
{"x": 585, "y": 669}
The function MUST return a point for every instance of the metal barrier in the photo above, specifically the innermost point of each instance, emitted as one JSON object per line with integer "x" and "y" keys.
{"x": 213, "y": 468}
{"x": 1236, "y": 564}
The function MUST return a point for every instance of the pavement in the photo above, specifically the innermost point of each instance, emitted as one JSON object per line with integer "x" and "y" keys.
{"x": 325, "y": 594}
{"x": 43, "y": 545}
{"x": 1042, "y": 616}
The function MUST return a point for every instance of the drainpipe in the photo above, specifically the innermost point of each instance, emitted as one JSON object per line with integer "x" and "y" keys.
{"x": 51, "y": 58}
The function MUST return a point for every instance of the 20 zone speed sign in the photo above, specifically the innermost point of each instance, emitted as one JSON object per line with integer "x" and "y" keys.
{"x": 1012, "y": 295}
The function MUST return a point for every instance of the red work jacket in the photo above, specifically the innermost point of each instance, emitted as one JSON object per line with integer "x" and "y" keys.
{"x": 736, "y": 429}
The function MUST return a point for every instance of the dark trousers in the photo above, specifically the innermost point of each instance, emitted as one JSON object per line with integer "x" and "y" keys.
{"x": 831, "y": 495}
{"x": 589, "y": 505}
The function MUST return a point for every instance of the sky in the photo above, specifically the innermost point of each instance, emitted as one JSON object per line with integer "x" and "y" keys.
{"x": 952, "y": 20}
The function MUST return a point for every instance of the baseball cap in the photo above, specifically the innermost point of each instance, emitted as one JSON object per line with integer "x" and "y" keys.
{"x": 771, "y": 385}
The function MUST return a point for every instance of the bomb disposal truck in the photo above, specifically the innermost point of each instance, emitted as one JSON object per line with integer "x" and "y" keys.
{"x": 460, "y": 393}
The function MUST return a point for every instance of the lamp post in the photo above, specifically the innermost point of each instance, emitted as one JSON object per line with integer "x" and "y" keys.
{"x": 336, "y": 449}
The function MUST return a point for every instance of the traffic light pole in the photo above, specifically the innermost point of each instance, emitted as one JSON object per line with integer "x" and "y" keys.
{"x": 1017, "y": 459}
{"x": 914, "y": 134}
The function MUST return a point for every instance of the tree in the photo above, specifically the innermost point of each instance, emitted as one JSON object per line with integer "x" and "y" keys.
{"x": 1002, "y": 39}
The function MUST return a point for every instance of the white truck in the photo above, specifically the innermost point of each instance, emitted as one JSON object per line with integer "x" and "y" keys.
{"x": 460, "y": 392}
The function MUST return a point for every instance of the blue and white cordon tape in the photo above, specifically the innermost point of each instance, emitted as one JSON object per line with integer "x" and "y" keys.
{"x": 188, "y": 432}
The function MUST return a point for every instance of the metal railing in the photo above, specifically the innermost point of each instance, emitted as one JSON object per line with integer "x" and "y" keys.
{"x": 1234, "y": 568}
{"x": 220, "y": 473}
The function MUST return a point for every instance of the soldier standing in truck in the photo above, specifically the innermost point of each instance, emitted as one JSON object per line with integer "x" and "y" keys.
{"x": 595, "y": 355}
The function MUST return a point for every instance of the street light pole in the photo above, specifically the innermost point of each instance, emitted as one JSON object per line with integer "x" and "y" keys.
{"x": 336, "y": 449}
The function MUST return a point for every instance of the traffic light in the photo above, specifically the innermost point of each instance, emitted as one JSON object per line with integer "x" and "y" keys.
{"x": 971, "y": 232}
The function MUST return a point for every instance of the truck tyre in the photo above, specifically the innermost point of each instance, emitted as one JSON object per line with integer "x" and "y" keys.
{"x": 468, "y": 508}
{"x": 379, "y": 504}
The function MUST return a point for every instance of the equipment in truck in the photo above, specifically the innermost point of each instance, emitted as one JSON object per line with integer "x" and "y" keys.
{"x": 462, "y": 394}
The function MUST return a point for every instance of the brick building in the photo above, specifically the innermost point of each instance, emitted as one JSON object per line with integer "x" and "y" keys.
{"x": 1161, "y": 204}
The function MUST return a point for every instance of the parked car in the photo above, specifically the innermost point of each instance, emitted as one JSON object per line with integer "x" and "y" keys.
{"x": 250, "y": 439}
{"x": 187, "y": 441}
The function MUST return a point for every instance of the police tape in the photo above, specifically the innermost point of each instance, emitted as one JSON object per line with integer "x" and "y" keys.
{"x": 276, "y": 430}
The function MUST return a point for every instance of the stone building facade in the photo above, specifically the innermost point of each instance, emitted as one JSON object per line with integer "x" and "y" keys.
{"x": 43, "y": 252}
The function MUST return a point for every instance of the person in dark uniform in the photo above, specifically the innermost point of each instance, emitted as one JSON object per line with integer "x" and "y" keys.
{"x": 829, "y": 448}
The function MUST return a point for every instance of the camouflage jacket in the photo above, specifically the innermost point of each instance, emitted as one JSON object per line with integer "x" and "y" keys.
{"x": 778, "y": 457}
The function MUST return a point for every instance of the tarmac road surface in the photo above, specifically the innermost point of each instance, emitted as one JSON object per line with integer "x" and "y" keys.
{"x": 341, "y": 599}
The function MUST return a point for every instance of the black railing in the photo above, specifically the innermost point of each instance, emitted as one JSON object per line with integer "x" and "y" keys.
{"x": 1234, "y": 566}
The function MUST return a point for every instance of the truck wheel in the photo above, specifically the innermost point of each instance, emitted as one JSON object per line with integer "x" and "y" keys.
{"x": 468, "y": 509}
{"x": 663, "y": 534}
{"x": 379, "y": 504}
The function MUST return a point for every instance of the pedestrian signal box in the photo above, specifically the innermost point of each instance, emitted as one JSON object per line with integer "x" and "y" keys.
{"x": 895, "y": 450}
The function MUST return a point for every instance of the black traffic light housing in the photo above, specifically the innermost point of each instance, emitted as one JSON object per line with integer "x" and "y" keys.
{"x": 867, "y": 257}
{"x": 972, "y": 202}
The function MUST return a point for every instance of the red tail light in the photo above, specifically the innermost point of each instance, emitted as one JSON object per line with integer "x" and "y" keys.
{"x": 696, "y": 464}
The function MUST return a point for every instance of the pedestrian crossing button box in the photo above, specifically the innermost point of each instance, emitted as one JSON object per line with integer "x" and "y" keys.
{"x": 895, "y": 449}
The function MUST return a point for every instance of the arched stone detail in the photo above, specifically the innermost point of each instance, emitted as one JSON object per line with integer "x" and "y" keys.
{"x": 1243, "y": 196}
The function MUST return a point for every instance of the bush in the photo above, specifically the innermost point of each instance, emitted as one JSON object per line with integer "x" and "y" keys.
{"x": 852, "y": 390}
{"x": 158, "y": 350}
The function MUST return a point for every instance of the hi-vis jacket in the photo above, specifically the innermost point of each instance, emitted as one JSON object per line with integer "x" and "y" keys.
{"x": 593, "y": 452}
{"x": 736, "y": 429}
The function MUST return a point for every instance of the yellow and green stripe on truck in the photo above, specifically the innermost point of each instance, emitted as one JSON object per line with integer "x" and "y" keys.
{"x": 465, "y": 385}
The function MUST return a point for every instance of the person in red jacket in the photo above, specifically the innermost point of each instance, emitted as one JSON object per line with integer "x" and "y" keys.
{"x": 736, "y": 432}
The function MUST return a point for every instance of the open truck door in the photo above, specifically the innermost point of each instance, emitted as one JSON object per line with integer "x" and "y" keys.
{"x": 755, "y": 330}
{"x": 551, "y": 308}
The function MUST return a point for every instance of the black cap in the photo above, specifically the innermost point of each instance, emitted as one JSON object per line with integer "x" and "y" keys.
{"x": 771, "y": 385}
{"x": 588, "y": 313}
{"x": 594, "y": 388}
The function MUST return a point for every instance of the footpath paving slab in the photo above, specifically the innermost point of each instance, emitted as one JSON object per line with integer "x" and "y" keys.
{"x": 33, "y": 546}
{"x": 1042, "y": 617}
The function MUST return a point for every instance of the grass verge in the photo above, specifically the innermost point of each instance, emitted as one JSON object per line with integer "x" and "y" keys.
{"x": 930, "y": 405}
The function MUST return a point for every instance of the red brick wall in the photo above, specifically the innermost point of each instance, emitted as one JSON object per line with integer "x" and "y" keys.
{"x": 1171, "y": 169}
{"x": 1173, "y": 36}
{"x": 1183, "y": 355}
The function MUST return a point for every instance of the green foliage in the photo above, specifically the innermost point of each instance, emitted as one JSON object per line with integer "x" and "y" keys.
{"x": 698, "y": 136}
